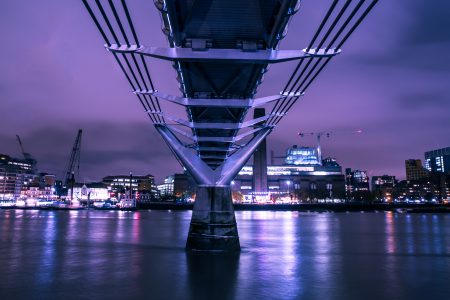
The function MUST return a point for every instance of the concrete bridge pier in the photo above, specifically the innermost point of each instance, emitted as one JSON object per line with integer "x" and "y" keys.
{"x": 213, "y": 224}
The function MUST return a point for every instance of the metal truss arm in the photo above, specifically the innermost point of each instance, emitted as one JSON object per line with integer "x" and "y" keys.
{"x": 231, "y": 167}
{"x": 201, "y": 172}
{"x": 222, "y": 55}
{"x": 210, "y": 102}
{"x": 196, "y": 167}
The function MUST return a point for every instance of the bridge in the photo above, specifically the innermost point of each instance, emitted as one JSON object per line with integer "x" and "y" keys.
{"x": 220, "y": 50}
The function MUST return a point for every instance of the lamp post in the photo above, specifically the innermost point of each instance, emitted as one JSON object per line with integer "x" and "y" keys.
{"x": 289, "y": 186}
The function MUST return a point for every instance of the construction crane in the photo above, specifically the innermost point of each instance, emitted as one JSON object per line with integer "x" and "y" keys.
{"x": 27, "y": 156}
{"x": 73, "y": 167}
{"x": 318, "y": 136}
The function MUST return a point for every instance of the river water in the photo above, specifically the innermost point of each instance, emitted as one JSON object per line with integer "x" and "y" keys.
{"x": 285, "y": 255}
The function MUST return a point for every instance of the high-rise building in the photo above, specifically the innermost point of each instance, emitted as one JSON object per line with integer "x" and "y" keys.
{"x": 260, "y": 160}
{"x": 415, "y": 170}
{"x": 15, "y": 175}
{"x": 438, "y": 160}
{"x": 357, "y": 185}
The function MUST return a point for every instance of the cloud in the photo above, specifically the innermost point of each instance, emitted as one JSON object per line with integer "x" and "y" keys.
{"x": 429, "y": 22}
{"x": 106, "y": 148}
{"x": 424, "y": 101}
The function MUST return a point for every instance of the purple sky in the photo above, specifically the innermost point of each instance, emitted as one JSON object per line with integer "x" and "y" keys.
{"x": 392, "y": 81}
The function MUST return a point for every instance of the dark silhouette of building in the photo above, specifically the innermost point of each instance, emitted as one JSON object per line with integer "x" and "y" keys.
{"x": 357, "y": 185}
{"x": 415, "y": 170}
{"x": 183, "y": 187}
{"x": 260, "y": 160}
{"x": 383, "y": 187}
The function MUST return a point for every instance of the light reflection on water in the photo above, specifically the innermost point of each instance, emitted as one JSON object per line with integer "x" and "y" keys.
{"x": 285, "y": 255}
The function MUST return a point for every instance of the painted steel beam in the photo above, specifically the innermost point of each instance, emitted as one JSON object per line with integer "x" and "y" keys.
{"x": 231, "y": 167}
{"x": 217, "y": 102}
{"x": 194, "y": 164}
{"x": 219, "y": 139}
{"x": 227, "y": 139}
{"x": 208, "y": 148}
{"x": 206, "y": 156}
{"x": 222, "y": 55}
{"x": 258, "y": 120}
{"x": 183, "y": 133}
{"x": 246, "y": 134}
{"x": 212, "y": 125}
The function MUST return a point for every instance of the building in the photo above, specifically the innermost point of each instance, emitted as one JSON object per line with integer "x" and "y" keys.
{"x": 417, "y": 191}
{"x": 438, "y": 160}
{"x": 89, "y": 192}
{"x": 302, "y": 178}
{"x": 184, "y": 187}
{"x": 357, "y": 185}
{"x": 166, "y": 189}
{"x": 305, "y": 156}
{"x": 260, "y": 159}
{"x": 179, "y": 187}
{"x": 119, "y": 185}
{"x": 383, "y": 187}
{"x": 43, "y": 186}
{"x": 415, "y": 170}
{"x": 431, "y": 183}
{"x": 15, "y": 175}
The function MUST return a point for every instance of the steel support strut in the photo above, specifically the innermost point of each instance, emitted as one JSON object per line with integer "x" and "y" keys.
{"x": 213, "y": 224}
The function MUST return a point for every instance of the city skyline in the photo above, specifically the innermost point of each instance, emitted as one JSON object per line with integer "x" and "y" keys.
{"x": 51, "y": 86}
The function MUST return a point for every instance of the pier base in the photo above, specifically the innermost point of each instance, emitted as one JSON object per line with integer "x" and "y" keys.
{"x": 213, "y": 224}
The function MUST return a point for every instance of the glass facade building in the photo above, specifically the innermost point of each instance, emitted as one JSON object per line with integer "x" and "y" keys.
{"x": 15, "y": 175}
{"x": 304, "y": 156}
{"x": 438, "y": 160}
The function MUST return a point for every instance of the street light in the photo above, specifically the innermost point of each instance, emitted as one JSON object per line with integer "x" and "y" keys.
{"x": 289, "y": 186}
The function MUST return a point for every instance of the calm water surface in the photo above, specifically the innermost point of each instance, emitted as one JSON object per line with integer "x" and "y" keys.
{"x": 285, "y": 255}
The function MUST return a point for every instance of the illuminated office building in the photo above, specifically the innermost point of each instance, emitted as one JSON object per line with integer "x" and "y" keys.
{"x": 303, "y": 156}
{"x": 438, "y": 160}
{"x": 383, "y": 187}
{"x": 302, "y": 178}
{"x": 118, "y": 185}
{"x": 357, "y": 185}
{"x": 15, "y": 176}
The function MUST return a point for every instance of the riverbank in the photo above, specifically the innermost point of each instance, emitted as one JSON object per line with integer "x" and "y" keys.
{"x": 317, "y": 207}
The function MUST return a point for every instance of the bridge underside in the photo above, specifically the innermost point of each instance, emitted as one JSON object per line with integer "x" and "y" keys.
{"x": 220, "y": 50}
{"x": 245, "y": 26}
